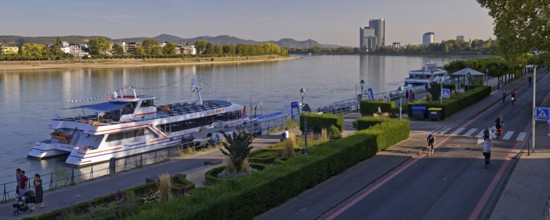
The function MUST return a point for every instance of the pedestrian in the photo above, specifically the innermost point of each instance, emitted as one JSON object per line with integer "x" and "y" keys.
{"x": 530, "y": 80}
{"x": 503, "y": 96}
{"x": 285, "y": 135}
{"x": 23, "y": 181}
{"x": 39, "y": 192}
{"x": 17, "y": 179}
{"x": 407, "y": 94}
{"x": 412, "y": 94}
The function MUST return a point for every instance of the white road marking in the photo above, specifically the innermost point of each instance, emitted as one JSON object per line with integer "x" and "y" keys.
{"x": 521, "y": 136}
{"x": 470, "y": 132}
{"x": 443, "y": 131}
{"x": 480, "y": 134}
{"x": 508, "y": 135}
{"x": 457, "y": 131}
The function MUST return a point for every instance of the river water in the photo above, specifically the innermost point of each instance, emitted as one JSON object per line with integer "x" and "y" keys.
{"x": 29, "y": 99}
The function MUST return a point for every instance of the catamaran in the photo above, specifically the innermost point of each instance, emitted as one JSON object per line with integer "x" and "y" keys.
{"x": 132, "y": 124}
{"x": 429, "y": 73}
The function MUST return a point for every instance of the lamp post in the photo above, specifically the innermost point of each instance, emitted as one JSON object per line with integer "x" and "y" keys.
{"x": 362, "y": 82}
{"x": 534, "y": 111}
{"x": 400, "y": 89}
{"x": 303, "y": 94}
{"x": 469, "y": 81}
{"x": 441, "y": 91}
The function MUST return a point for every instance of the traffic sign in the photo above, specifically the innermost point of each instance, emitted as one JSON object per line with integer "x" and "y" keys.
{"x": 446, "y": 93}
{"x": 541, "y": 114}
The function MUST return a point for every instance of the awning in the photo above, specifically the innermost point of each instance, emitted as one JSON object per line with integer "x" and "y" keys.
{"x": 465, "y": 71}
{"x": 104, "y": 107}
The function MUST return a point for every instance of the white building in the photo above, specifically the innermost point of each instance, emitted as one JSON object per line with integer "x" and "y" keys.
{"x": 396, "y": 45}
{"x": 428, "y": 38}
{"x": 460, "y": 37}
{"x": 189, "y": 50}
{"x": 367, "y": 39}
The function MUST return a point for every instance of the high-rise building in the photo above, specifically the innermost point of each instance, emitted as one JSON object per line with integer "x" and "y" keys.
{"x": 379, "y": 26}
{"x": 428, "y": 38}
{"x": 367, "y": 39}
{"x": 460, "y": 37}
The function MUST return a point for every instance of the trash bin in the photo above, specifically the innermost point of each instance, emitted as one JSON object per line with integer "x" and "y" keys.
{"x": 419, "y": 112}
{"x": 435, "y": 113}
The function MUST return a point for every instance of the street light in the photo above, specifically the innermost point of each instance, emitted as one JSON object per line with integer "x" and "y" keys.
{"x": 534, "y": 111}
{"x": 469, "y": 81}
{"x": 362, "y": 82}
{"x": 303, "y": 94}
{"x": 400, "y": 89}
{"x": 441, "y": 90}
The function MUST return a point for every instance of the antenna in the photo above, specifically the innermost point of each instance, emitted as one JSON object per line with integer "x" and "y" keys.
{"x": 195, "y": 87}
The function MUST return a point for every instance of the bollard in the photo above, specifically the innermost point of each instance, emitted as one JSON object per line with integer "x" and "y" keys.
{"x": 4, "y": 192}
{"x": 51, "y": 181}
{"x": 72, "y": 176}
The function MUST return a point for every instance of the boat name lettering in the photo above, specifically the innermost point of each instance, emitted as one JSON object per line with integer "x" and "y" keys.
{"x": 136, "y": 144}
{"x": 215, "y": 111}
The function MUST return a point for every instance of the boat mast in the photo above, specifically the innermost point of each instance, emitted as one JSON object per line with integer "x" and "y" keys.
{"x": 195, "y": 87}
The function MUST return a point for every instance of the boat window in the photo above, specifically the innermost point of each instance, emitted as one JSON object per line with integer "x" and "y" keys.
{"x": 187, "y": 124}
{"x": 147, "y": 103}
{"x": 126, "y": 134}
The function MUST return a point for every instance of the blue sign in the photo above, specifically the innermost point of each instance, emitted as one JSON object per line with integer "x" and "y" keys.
{"x": 446, "y": 93}
{"x": 295, "y": 111}
{"x": 371, "y": 94}
{"x": 541, "y": 114}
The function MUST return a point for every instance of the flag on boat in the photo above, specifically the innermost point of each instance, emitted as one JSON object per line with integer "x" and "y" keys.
{"x": 244, "y": 110}
{"x": 194, "y": 82}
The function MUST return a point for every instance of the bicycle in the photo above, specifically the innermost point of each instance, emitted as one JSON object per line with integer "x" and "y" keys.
{"x": 430, "y": 148}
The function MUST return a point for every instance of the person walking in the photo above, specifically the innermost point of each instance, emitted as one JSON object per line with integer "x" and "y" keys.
{"x": 503, "y": 96}
{"x": 39, "y": 191}
{"x": 23, "y": 181}
{"x": 17, "y": 179}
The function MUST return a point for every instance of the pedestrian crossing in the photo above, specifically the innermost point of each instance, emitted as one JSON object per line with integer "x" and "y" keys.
{"x": 478, "y": 133}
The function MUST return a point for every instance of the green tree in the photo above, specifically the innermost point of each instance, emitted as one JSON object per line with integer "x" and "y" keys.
{"x": 520, "y": 26}
{"x": 99, "y": 46}
{"x": 58, "y": 41}
{"x": 169, "y": 48}
{"x": 32, "y": 50}
{"x": 117, "y": 48}
{"x": 149, "y": 45}
{"x": 200, "y": 45}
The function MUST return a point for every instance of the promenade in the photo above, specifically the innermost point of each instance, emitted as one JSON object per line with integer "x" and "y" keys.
{"x": 524, "y": 197}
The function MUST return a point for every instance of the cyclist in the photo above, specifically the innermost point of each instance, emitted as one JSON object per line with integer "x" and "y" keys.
{"x": 499, "y": 122}
{"x": 487, "y": 145}
{"x": 431, "y": 142}
{"x": 513, "y": 97}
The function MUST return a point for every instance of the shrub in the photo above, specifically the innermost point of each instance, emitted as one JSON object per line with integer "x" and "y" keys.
{"x": 317, "y": 122}
{"x": 335, "y": 133}
{"x": 369, "y": 107}
{"x": 237, "y": 147}
{"x": 165, "y": 186}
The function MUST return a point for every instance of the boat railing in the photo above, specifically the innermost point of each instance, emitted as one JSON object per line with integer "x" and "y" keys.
{"x": 66, "y": 176}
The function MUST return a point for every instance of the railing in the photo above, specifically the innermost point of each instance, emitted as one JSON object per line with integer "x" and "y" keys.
{"x": 72, "y": 176}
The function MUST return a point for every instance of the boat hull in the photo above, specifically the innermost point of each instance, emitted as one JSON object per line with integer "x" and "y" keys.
{"x": 46, "y": 149}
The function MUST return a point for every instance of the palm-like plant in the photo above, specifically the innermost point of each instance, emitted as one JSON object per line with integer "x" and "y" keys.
{"x": 237, "y": 147}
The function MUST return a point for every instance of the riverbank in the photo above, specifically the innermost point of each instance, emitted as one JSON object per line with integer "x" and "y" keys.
{"x": 120, "y": 63}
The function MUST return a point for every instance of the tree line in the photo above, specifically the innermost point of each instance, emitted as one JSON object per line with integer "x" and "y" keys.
{"x": 150, "y": 48}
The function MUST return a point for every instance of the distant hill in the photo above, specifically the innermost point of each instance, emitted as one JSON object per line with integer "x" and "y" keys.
{"x": 221, "y": 39}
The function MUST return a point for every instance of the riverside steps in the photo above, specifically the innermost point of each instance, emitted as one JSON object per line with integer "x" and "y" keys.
{"x": 355, "y": 179}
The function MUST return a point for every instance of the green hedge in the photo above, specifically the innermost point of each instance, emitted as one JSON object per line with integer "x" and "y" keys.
{"x": 455, "y": 103}
{"x": 369, "y": 107}
{"x": 84, "y": 207}
{"x": 367, "y": 122}
{"x": 317, "y": 122}
{"x": 246, "y": 197}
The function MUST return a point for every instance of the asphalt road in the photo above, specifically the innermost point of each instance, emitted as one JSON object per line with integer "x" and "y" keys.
{"x": 452, "y": 183}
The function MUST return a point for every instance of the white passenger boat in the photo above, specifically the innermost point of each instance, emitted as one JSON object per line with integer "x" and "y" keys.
{"x": 129, "y": 125}
{"x": 428, "y": 74}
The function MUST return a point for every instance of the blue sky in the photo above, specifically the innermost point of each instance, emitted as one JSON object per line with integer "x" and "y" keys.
{"x": 327, "y": 21}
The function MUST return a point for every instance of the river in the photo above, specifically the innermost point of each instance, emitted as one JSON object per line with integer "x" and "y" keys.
{"x": 30, "y": 99}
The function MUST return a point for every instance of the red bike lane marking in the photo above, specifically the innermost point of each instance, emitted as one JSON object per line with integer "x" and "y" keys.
{"x": 399, "y": 171}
